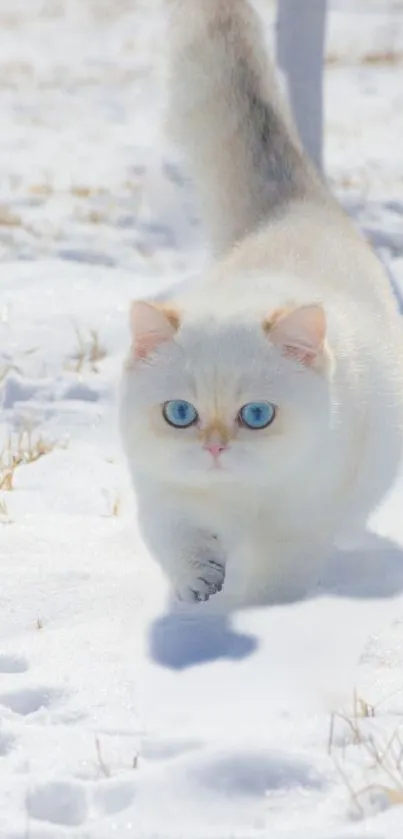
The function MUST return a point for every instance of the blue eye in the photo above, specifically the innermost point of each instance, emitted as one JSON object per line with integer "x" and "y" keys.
{"x": 179, "y": 413}
{"x": 257, "y": 415}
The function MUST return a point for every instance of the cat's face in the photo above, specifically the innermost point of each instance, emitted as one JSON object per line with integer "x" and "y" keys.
{"x": 224, "y": 401}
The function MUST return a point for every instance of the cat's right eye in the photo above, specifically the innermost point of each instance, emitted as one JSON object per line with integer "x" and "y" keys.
{"x": 257, "y": 415}
{"x": 179, "y": 413}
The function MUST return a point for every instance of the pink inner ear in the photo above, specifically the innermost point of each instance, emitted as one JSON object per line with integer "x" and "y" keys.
{"x": 301, "y": 333}
{"x": 151, "y": 326}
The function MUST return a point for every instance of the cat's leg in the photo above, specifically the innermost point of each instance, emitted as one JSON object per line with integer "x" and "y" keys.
{"x": 191, "y": 555}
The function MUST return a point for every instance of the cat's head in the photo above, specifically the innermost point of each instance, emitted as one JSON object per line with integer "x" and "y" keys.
{"x": 220, "y": 399}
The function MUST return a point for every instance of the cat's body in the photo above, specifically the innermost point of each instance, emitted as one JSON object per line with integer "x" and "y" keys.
{"x": 296, "y": 315}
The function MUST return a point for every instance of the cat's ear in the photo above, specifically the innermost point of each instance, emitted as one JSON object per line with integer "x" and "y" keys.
{"x": 299, "y": 333}
{"x": 151, "y": 324}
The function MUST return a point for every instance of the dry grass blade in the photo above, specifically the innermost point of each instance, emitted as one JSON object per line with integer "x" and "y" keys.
{"x": 116, "y": 506}
{"x": 6, "y": 480}
{"x": 114, "y": 503}
{"x": 353, "y": 793}
{"x": 9, "y": 368}
{"x": 89, "y": 351}
{"x": 103, "y": 766}
{"x": 357, "y": 736}
{"x": 83, "y": 191}
{"x": 385, "y": 759}
{"x": 4, "y": 516}
{"x": 362, "y": 708}
{"x": 79, "y": 356}
{"x": 330, "y": 740}
{"x": 96, "y": 351}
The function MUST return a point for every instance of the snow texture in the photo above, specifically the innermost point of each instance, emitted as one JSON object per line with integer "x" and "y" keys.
{"x": 119, "y": 716}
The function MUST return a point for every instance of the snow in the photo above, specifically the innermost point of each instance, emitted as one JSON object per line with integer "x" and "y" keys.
{"x": 118, "y": 716}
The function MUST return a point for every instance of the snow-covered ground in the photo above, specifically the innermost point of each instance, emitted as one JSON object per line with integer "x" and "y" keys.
{"x": 116, "y": 718}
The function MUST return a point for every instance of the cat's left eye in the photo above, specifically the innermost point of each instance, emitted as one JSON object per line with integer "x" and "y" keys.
{"x": 179, "y": 413}
{"x": 257, "y": 415}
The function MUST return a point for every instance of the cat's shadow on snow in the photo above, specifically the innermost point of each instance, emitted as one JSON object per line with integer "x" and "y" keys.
{"x": 186, "y": 637}
{"x": 373, "y": 570}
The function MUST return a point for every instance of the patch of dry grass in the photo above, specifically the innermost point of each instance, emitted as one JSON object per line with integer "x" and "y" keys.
{"x": 116, "y": 503}
{"x": 78, "y": 190}
{"x": 386, "y": 57}
{"x": 104, "y": 767}
{"x": 382, "y": 758}
{"x": 89, "y": 351}
{"x": 23, "y": 448}
{"x": 83, "y": 191}
{"x": 376, "y": 59}
{"x": 8, "y": 218}
{"x": 43, "y": 189}
{"x": 361, "y": 709}
{"x": 96, "y": 217}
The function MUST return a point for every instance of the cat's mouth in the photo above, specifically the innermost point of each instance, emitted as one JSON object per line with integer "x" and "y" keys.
{"x": 217, "y": 467}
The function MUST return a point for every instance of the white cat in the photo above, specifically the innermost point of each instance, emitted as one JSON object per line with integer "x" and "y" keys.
{"x": 262, "y": 410}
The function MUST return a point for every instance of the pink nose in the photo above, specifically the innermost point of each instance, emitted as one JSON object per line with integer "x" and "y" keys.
{"x": 215, "y": 448}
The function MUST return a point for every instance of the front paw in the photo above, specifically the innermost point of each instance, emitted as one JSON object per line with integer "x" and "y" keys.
{"x": 200, "y": 582}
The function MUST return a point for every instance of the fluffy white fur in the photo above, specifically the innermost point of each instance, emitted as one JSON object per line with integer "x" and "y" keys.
{"x": 297, "y": 311}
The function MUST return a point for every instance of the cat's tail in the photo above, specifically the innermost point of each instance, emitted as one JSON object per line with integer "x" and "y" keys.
{"x": 226, "y": 112}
